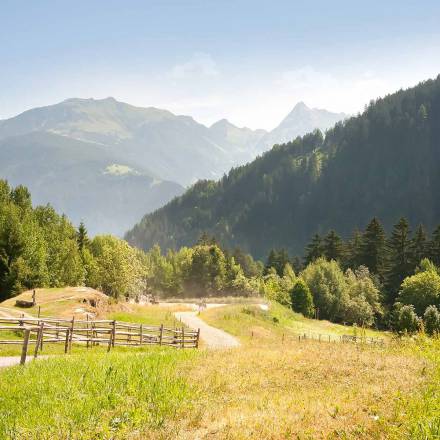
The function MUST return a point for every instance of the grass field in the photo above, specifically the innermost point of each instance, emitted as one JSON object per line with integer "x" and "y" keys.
{"x": 149, "y": 314}
{"x": 60, "y": 302}
{"x": 101, "y": 396}
{"x": 269, "y": 388}
{"x": 256, "y": 326}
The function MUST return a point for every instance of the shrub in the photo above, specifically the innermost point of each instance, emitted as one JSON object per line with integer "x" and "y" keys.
{"x": 421, "y": 290}
{"x": 301, "y": 298}
{"x": 406, "y": 319}
{"x": 326, "y": 281}
{"x": 431, "y": 319}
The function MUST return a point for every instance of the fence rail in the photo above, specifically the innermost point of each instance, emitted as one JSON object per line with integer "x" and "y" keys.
{"x": 326, "y": 337}
{"x": 39, "y": 331}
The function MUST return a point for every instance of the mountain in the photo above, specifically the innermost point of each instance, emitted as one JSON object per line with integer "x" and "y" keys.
{"x": 298, "y": 122}
{"x": 83, "y": 180}
{"x": 80, "y": 138}
{"x": 177, "y": 148}
{"x": 384, "y": 162}
{"x": 239, "y": 141}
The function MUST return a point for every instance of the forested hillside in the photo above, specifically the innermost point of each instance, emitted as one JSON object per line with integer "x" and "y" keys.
{"x": 84, "y": 181}
{"x": 382, "y": 163}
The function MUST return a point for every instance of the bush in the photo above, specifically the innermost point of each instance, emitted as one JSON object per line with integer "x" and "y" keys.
{"x": 421, "y": 290}
{"x": 301, "y": 299}
{"x": 431, "y": 319}
{"x": 406, "y": 319}
{"x": 326, "y": 281}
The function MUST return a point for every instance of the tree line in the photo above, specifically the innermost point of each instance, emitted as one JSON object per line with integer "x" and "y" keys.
{"x": 392, "y": 281}
{"x": 371, "y": 279}
{"x": 40, "y": 248}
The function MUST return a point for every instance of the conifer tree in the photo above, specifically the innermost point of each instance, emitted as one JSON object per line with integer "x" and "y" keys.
{"x": 434, "y": 246}
{"x": 278, "y": 260}
{"x": 419, "y": 246}
{"x": 314, "y": 250}
{"x": 353, "y": 251}
{"x": 373, "y": 248}
{"x": 82, "y": 237}
{"x": 399, "y": 258}
{"x": 333, "y": 246}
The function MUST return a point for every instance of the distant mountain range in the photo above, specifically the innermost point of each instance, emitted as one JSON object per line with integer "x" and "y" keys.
{"x": 298, "y": 122}
{"x": 384, "y": 163}
{"x": 107, "y": 163}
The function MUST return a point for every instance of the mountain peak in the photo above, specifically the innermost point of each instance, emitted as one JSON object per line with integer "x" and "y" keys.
{"x": 300, "y": 106}
{"x": 221, "y": 123}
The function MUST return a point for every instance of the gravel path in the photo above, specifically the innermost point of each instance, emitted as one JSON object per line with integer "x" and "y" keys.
{"x": 9, "y": 361}
{"x": 211, "y": 336}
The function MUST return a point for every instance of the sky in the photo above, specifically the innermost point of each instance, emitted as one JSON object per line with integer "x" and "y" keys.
{"x": 247, "y": 61}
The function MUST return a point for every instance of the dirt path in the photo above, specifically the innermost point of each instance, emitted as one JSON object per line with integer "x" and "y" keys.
{"x": 9, "y": 361}
{"x": 211, "y": 336}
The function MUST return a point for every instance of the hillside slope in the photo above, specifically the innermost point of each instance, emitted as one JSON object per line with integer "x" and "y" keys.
{"x": 382, "y": 163}
{"x": 83, "y": 180}
{"x": 177, "y": 148}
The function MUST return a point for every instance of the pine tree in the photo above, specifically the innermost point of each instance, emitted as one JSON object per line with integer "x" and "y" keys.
{"x": 333, "y": 246}
{"x": 353, "y": 251}
{"x": 419, "y": 246}
{"x": 314, "y": 250}
{"x": 434, "y": 246}
{"x": 302, "y": 299}
{"x": 373, "y": 248}
{"x": 82, "y": 237}
{"x": 399, "y": 249}
{"x": 277, "y": 259}
{"x": 271, "y": 261}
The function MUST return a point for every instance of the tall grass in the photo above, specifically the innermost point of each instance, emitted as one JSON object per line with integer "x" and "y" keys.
{"x": 95, "y": 396}
{"x": 420, "y": 413}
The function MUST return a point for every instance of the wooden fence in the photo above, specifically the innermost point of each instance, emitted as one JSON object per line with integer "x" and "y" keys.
{"x": 325, "y": 337}
{"x": 40, "y": 331}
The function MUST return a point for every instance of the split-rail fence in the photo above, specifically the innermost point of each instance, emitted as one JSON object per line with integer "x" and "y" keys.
{"x": 40, "y": 331}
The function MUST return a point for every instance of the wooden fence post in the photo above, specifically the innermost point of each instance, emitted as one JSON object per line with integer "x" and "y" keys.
{"x": 141, "y": 334}
{"x": 183, "y": 337}
{"x": 113, "y": 333}
{"x": 71, "y": 333}
{"x": 87, "y": 332}
{"x": 110, "y": 341}
{"x": 27, "y": 334}
{"x": 39, "y": 340}
{"x": 93, "y": 333}
{"x": 161, "y": 334}
{"x": 198, "y": 338}
{"x": 66, "y": 344}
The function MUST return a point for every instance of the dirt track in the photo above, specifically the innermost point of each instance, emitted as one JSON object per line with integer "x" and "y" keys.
{"x": 211, "y": 336}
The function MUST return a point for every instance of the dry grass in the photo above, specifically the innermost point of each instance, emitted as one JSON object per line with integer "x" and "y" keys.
{"x": 272, "y": 388}
{"x": 306, "y": 390}
{"x": 60, "y": 302}
{"x": 258, "y": 327}
{"x": 147, "y": 314}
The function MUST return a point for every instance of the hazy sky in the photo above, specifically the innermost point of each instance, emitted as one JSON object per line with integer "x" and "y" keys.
{"x": 247, "y": 61}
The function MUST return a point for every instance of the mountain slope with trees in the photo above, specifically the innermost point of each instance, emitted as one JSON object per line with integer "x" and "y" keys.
{"x": 383, "y": 163}
{"x": 83, "y": 180}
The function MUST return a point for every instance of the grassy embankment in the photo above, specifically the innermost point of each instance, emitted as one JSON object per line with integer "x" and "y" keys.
{"x": 266, "y": 389}
{"x": 256, "y": 326}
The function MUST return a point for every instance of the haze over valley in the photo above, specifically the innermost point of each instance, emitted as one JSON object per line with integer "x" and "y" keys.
{"x": 107, "y": 163}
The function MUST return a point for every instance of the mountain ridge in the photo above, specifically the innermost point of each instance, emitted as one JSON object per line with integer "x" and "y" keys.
{"x": 381, "y": 163}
